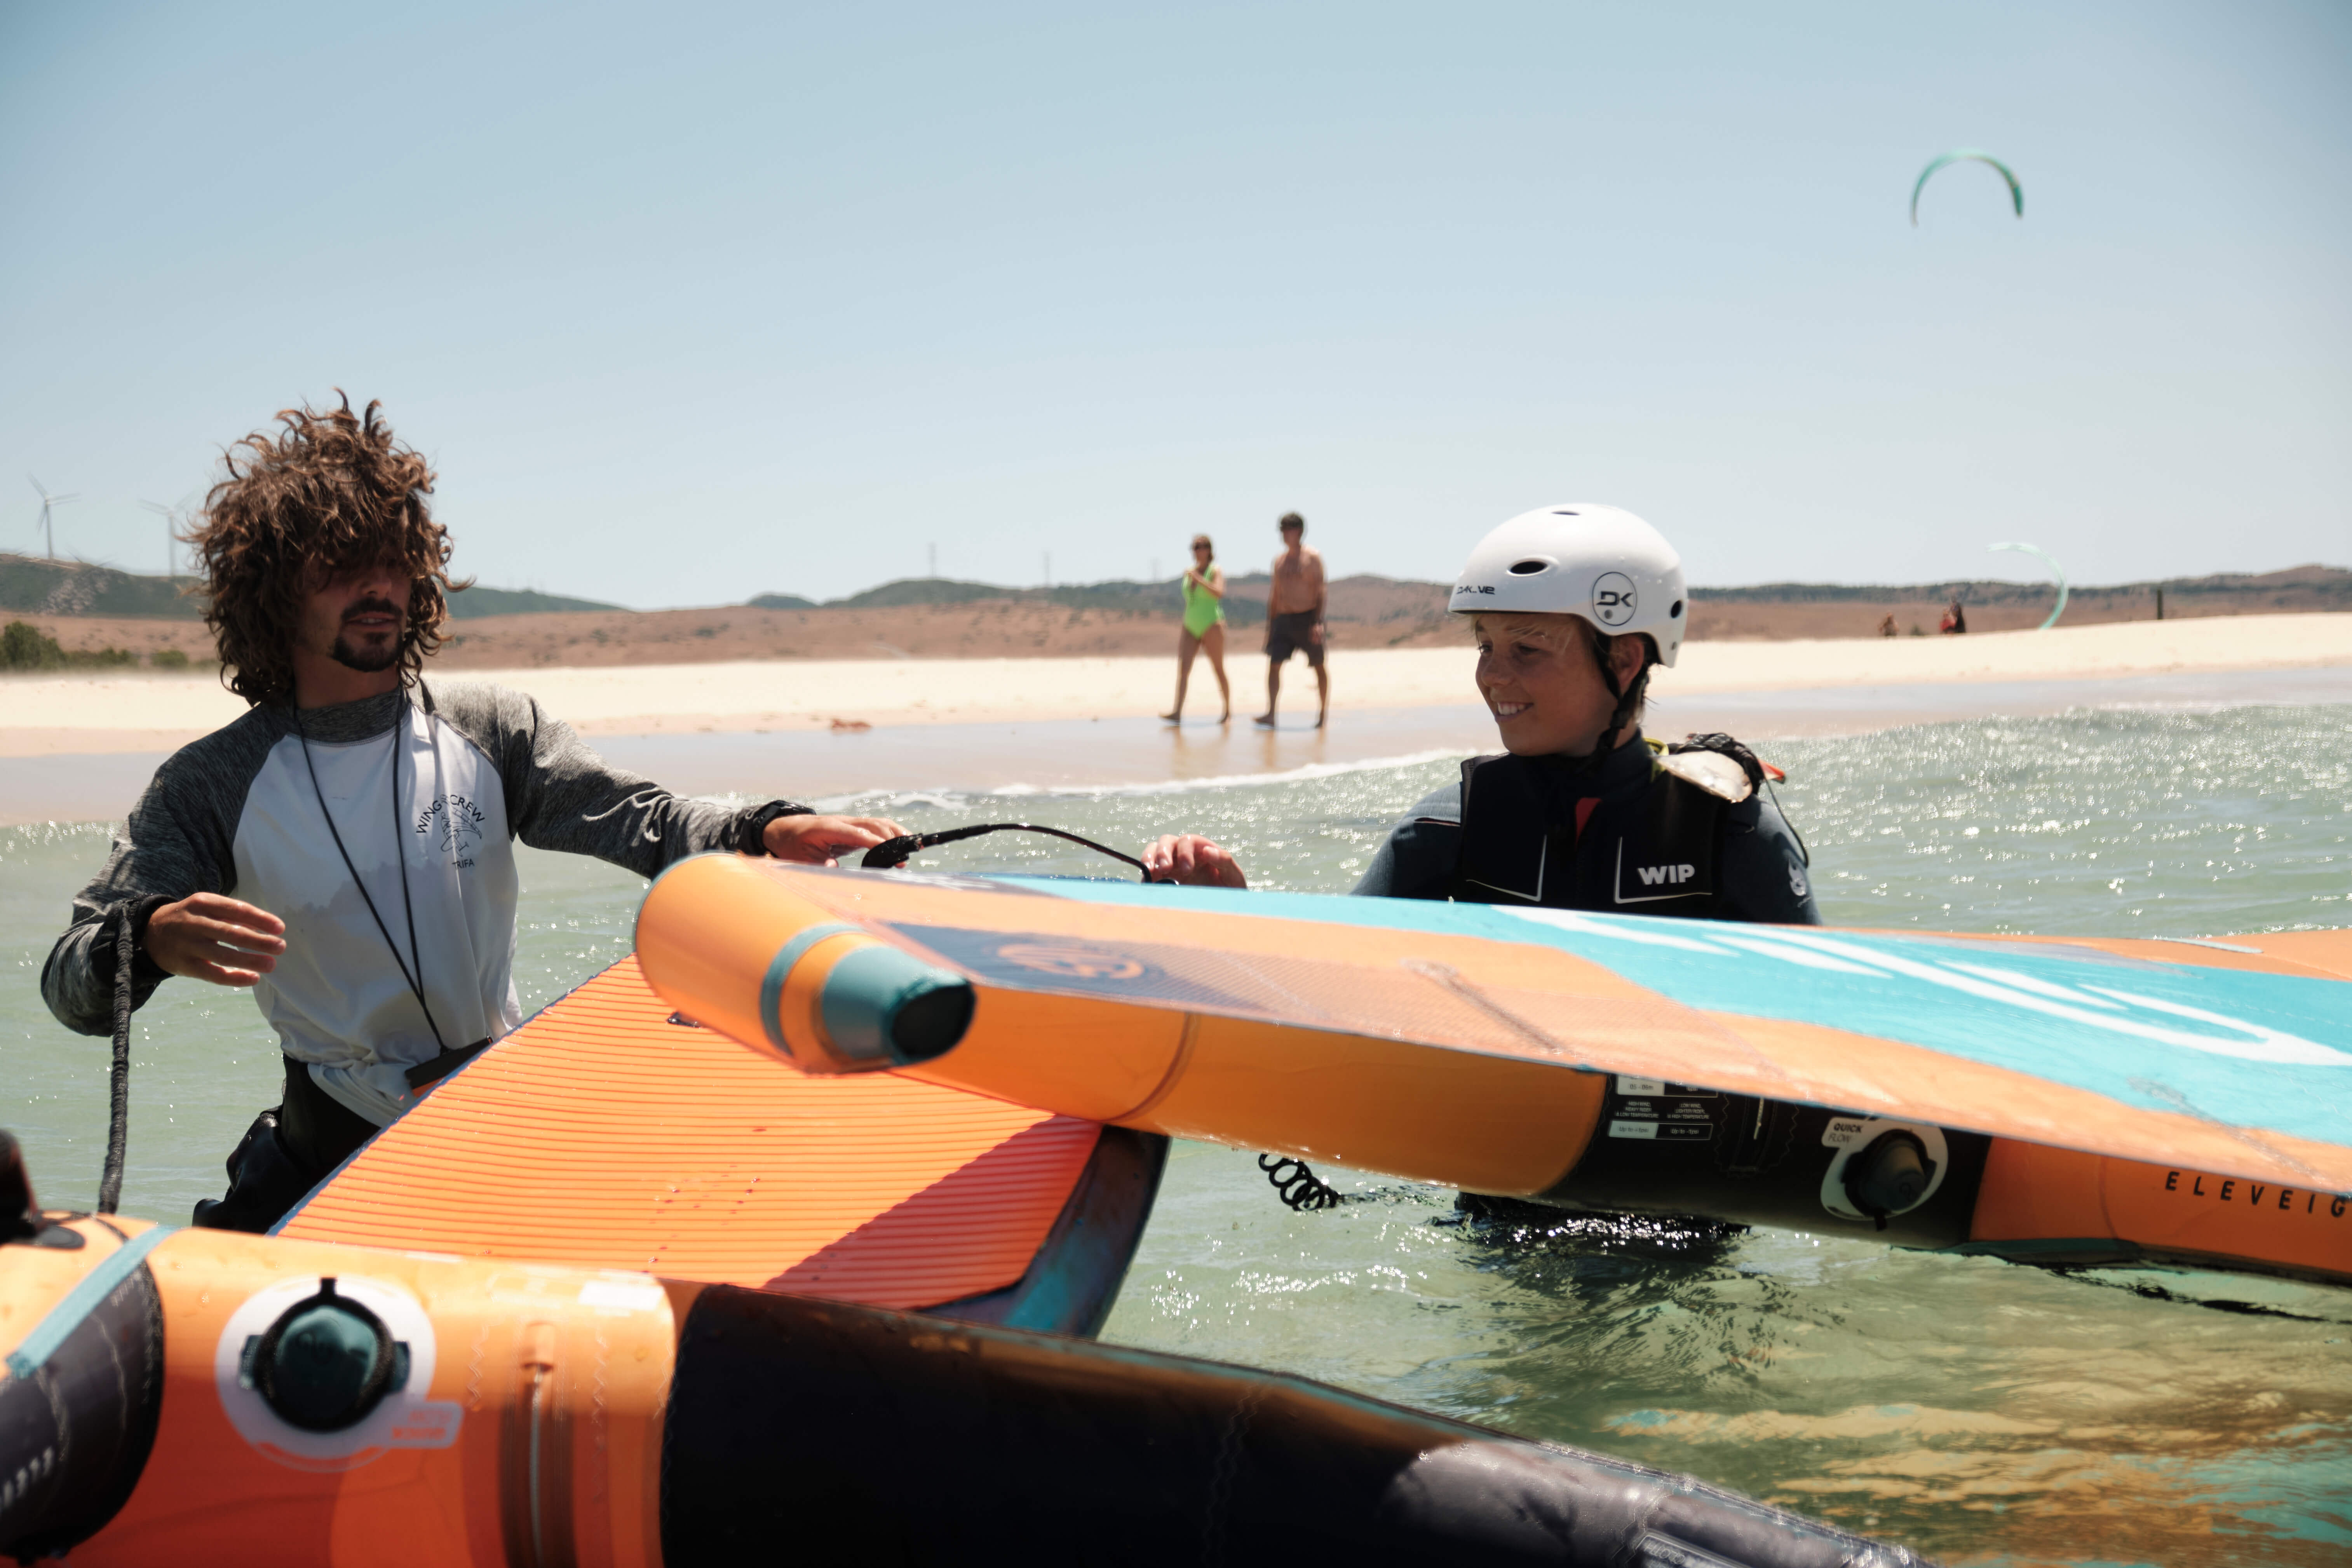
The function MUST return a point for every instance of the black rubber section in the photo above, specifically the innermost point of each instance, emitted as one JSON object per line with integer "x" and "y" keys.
{"x": 75, "y": 1436}
{"x": 20, "y": 1212}
{"x": 1744, "y": 1161}
{"x": 817, "y": 1432}
{"x": 932, "y": 1023}
{"x": 1888, "y": 1177}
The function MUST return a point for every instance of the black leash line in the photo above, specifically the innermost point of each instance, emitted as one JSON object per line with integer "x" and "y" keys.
{"x": 890, "y": 851}
{"x": 118, "y": 1114}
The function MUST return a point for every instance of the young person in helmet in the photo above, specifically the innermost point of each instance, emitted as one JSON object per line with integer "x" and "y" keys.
{"x": 1571, "y": 608}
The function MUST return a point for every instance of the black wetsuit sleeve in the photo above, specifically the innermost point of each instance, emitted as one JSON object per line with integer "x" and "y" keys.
{"x": 562, "y": 796}
{"x": 1762, "y": 872}
{"x": 179, "y": 840}
{"x": 1418, "y": 858}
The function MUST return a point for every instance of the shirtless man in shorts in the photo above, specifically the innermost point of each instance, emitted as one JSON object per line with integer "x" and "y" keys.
{"x": 1293, "y": 618}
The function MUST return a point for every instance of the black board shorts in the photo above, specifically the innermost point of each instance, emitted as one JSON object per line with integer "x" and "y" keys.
{"x": 1292, "y": 632}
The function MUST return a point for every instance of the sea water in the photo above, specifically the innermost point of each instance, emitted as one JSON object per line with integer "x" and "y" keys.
{"x": 1978, "y": 1411}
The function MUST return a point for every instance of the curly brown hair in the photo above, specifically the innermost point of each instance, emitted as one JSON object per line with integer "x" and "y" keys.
{"x": 335, "y": 493}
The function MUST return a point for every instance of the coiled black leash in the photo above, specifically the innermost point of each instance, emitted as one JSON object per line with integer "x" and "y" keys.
{"x": 890, "y": 851}
{"x": 118, "y": 1117}
{"x": 1299, "y": 1186}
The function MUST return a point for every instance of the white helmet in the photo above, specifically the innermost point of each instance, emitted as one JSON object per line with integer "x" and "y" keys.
{"x": 1598, "y": 562}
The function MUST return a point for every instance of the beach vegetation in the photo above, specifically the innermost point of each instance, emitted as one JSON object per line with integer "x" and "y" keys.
{"x": 25, "y": 646}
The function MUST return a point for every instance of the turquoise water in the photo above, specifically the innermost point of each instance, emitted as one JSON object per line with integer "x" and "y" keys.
{"x": 1975, "y": 1410}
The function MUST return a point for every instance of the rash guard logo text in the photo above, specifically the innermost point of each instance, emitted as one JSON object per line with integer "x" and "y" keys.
{"x": 455, "y": 822}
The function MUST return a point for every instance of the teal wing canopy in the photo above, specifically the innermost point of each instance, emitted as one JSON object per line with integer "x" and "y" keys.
{"x": 1967, "y": 154}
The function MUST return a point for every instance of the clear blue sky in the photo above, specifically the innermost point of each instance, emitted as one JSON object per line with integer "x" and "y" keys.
{"x": 692, "y": 303}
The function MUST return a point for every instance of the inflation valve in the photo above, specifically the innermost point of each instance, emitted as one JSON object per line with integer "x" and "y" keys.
{"x": 325, "y": 1362}
{"x": 1893, "y": 1175}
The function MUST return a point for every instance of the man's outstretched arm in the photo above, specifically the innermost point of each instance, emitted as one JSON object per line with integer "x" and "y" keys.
{"x": 562, "y": 796}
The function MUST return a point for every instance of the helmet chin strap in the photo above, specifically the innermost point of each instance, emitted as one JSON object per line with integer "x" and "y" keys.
{"x": 1628, "y": 697}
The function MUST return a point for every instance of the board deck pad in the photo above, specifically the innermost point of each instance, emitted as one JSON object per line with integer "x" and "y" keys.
{"x": 600, "y": 1134}
{"x": 2233, "y": 1061}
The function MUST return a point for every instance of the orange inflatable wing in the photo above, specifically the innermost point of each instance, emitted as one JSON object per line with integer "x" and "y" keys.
{"x": 1471, "y": 1044}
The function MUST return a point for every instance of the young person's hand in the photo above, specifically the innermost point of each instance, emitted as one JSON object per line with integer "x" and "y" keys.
{"x": 212, "y": 937}
{"x": 1189, "y": 859}
{"x": 819, "y": 840}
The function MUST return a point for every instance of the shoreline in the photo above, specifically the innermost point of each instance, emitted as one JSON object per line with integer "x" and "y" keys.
{"x": 1044, "y": 756}
{"x": 116, "y": 712}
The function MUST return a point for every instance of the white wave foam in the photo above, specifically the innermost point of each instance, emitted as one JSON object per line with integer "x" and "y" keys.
{"x": 953, "y": 799}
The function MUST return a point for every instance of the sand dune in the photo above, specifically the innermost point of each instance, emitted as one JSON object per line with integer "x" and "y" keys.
{"x": 97, "y": 712}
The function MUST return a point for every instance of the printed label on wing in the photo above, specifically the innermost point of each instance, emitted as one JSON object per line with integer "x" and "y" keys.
{"x": 1130, "y": 971}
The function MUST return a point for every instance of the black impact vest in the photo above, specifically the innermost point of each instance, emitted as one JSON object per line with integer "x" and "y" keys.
{"x": 1626, "y": 837}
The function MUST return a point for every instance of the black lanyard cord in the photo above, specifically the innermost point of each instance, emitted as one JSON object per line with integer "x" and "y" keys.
{"x": 399, "y": 863}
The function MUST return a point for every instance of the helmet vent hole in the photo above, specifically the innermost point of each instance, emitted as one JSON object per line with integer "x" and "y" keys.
{"x": 1562, "y": 511}
{"x": 1676, "y": 612}
{"x": 1528, "y": 568}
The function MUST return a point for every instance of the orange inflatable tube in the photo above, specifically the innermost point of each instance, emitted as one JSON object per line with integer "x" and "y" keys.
{"x": 738, "y": 951}
{"x": 204, "y": 1397}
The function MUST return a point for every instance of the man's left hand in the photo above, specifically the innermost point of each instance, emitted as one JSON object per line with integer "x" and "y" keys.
{"x": 817, "y": 840}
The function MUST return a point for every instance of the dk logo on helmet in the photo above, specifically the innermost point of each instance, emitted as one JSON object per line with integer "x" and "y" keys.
{"x": 1614, "y": 600}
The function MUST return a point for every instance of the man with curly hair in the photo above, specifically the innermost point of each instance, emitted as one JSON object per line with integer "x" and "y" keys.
{"x": 344, "y": 849}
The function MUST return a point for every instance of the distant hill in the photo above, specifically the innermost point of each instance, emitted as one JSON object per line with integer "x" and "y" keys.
{"x": 1396, "y": 611}
{"x": 1367, "y": 597}
{"x": 1122, "y": 596}
{"x": 2298, "y": 587}
{"x": 78, "y": 588}
{"x": 924, "y": 591}
{"x": 476, "y": 604}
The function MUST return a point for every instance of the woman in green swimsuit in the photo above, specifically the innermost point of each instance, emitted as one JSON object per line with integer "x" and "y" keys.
{"x": 1205, "y": 627}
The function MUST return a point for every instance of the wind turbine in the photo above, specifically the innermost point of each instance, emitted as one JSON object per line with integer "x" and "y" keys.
{"x": 48, "y": 501}
{"x": 170, "y": 516}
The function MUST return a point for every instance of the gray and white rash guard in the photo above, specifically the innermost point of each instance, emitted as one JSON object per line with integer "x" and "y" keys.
{"x": 478, "y": 766}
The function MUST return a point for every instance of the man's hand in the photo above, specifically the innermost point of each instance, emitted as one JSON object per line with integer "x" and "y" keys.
{"x": 817, "y": 840}
{"x": 207, "y": 936}
{"x": 1189, "y": 859}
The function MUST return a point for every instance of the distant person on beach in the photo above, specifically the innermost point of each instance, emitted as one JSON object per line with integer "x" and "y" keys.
{"x": 1293, "y": 618}
{"x": 345, "y": 849}
{"x": 1955, "y": 622}
{"x": 1573, "y": 607}
{"x": 1886, "y": 627}
{"x": 1205, "y": 627}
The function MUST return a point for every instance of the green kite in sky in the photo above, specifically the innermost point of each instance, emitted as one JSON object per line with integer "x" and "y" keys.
{"x": 2016, "y": 191}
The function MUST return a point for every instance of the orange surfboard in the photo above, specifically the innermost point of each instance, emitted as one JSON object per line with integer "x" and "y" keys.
{"x": 607, "y": 1133}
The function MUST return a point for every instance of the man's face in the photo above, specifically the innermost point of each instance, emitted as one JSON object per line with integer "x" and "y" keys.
{"x": 1291, "y": 536}
{"x": 357, "y": 617}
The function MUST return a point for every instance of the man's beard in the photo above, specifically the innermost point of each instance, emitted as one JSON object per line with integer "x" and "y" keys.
{"x": 367, "y": 662}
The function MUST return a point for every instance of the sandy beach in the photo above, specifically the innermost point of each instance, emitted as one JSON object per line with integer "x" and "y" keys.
{"x": 82, "y": 747}
{"x": 98, "y": 714}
